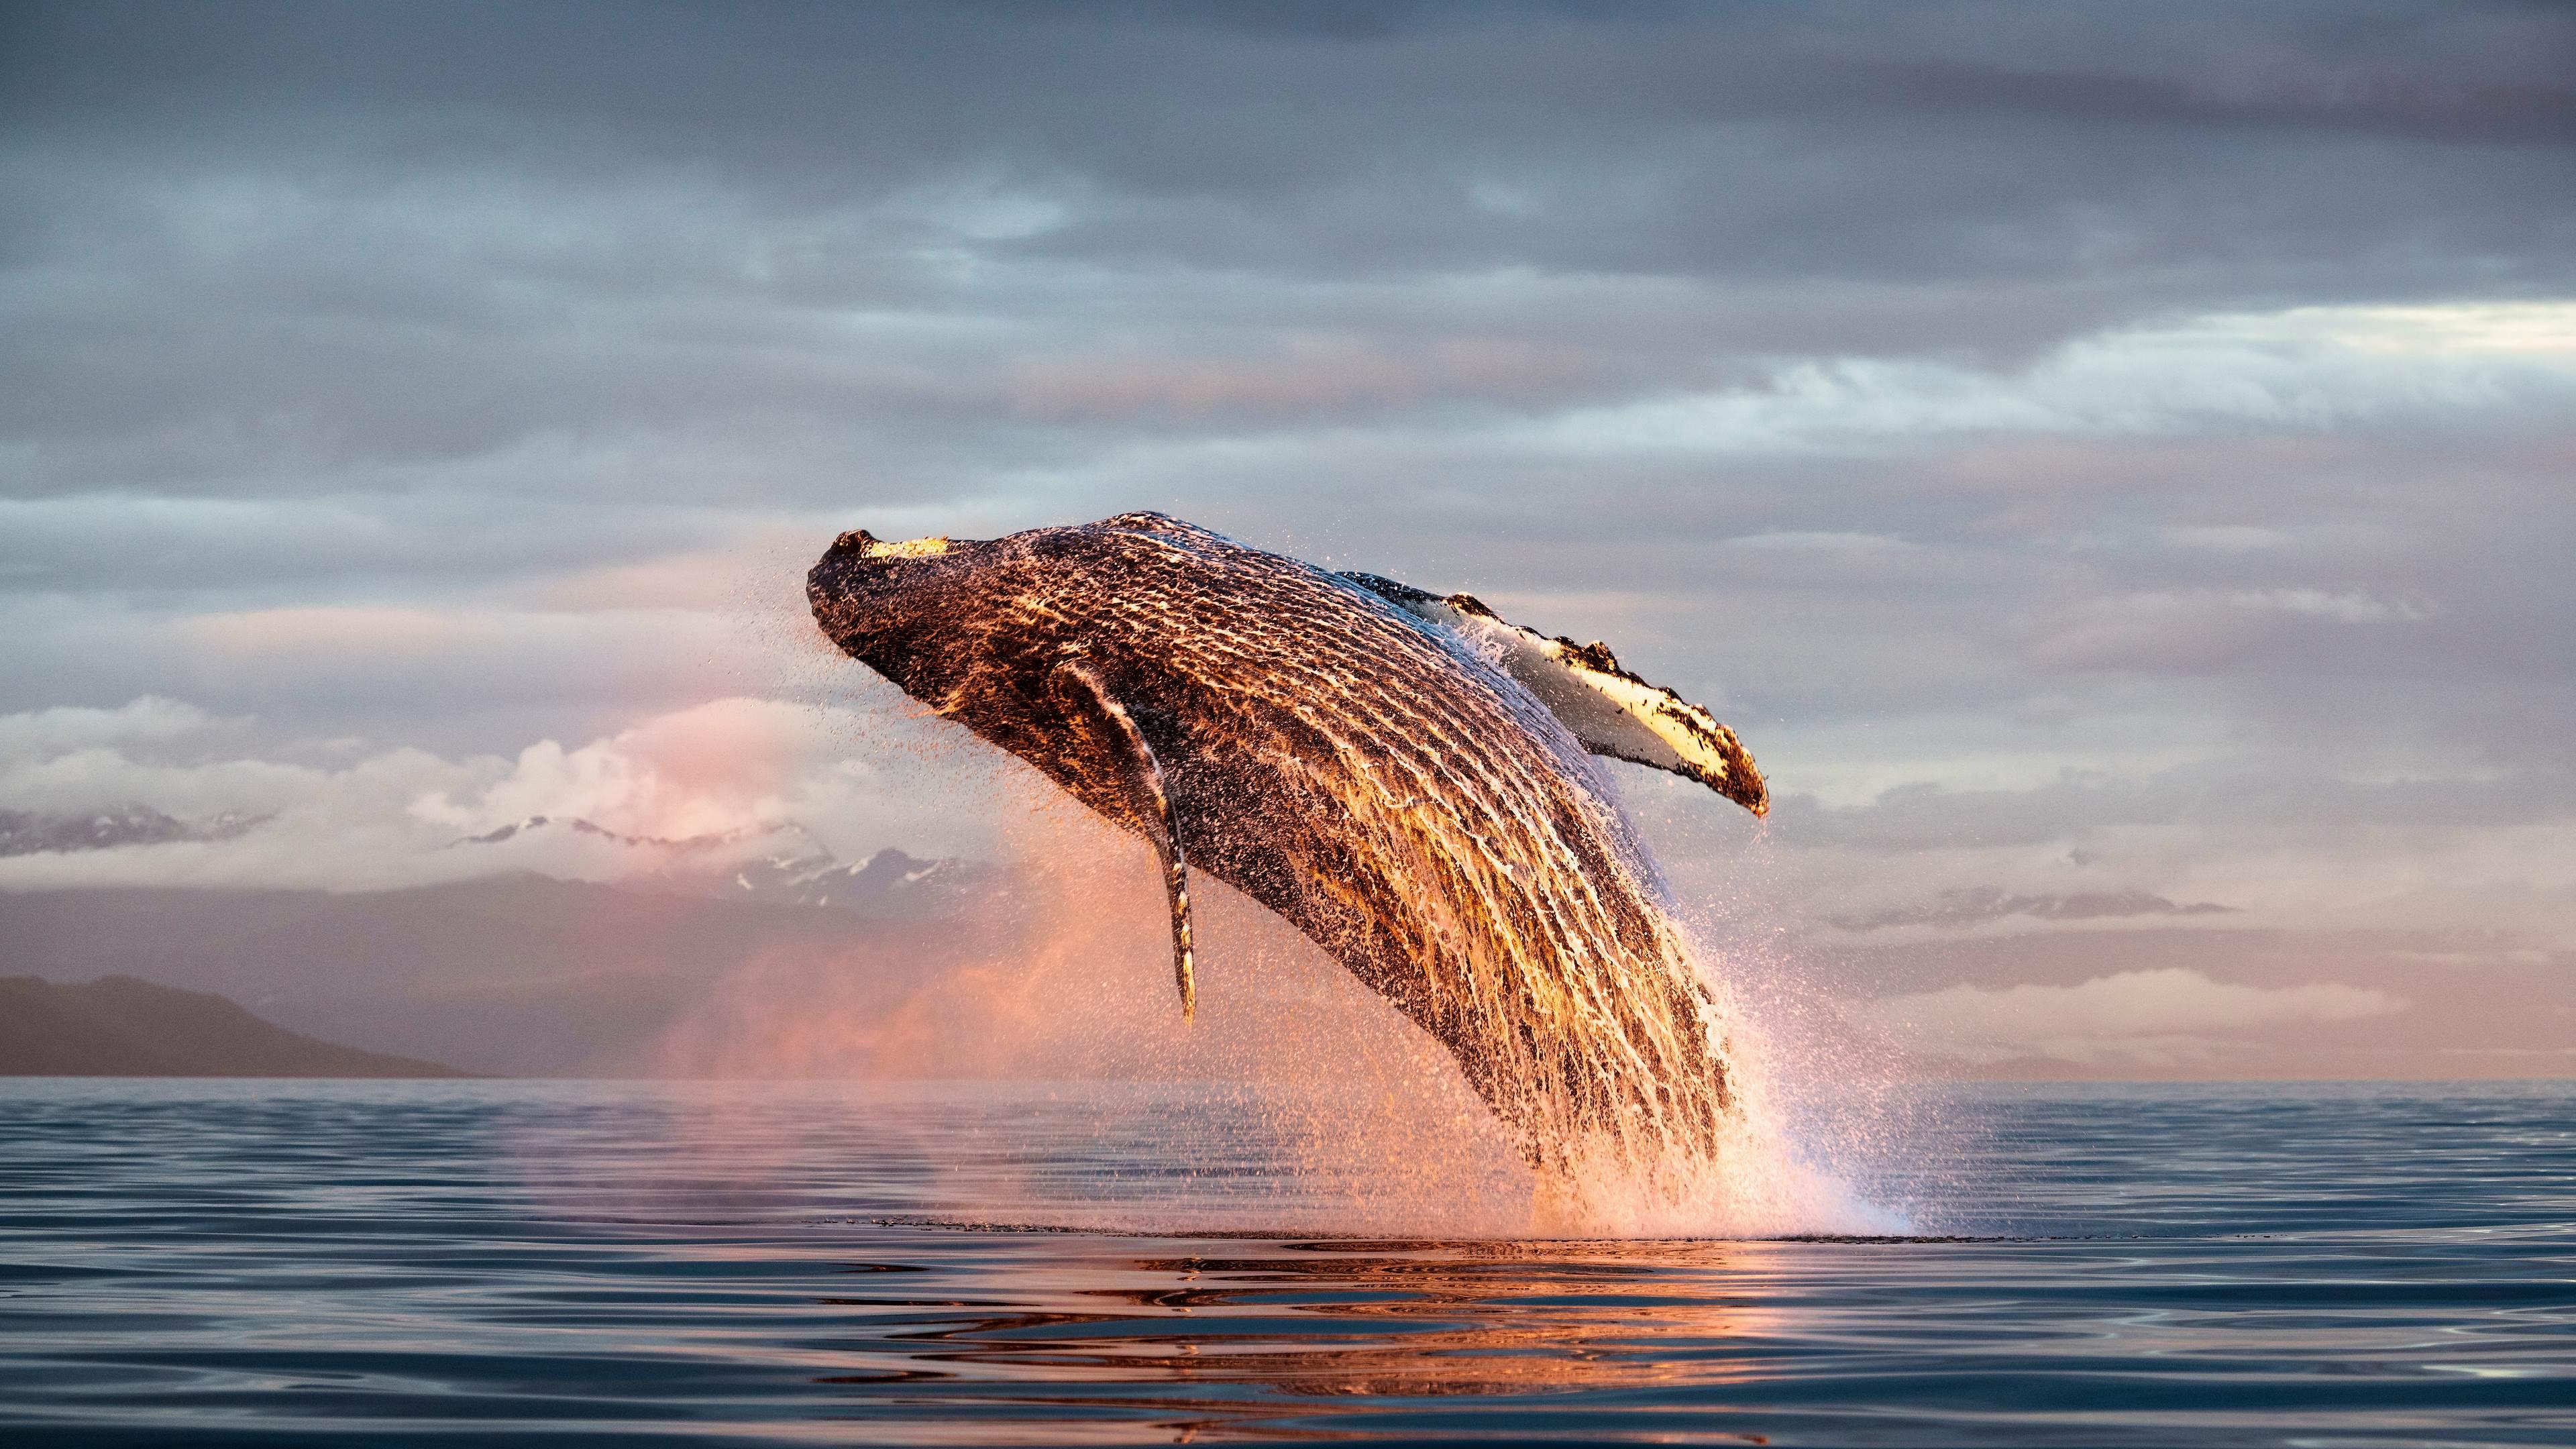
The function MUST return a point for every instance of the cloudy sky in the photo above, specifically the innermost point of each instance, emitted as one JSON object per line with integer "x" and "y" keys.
{"x": 2115, "y": 466}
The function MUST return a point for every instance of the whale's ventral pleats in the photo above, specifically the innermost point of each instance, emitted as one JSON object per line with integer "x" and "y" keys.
{"x": 1403, "y": 777}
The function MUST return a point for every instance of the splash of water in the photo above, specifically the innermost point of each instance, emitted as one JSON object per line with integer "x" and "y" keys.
{"x": 1367, "y": 1123}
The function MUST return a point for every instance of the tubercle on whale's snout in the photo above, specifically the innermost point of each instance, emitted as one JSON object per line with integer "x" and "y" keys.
{"x": 856, "y": 561}
{"x": 859, "y": 549}
{"x": 860, "y": 543}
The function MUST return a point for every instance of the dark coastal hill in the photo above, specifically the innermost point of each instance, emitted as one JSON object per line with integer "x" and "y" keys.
{"x": 118, "y": 1026}
{"x": 504, "y": 976}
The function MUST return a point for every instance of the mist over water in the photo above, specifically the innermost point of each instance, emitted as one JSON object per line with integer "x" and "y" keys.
{"x": 1067, "y": 980}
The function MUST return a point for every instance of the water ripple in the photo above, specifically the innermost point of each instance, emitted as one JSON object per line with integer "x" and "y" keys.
{"x": 268, "y": 1263}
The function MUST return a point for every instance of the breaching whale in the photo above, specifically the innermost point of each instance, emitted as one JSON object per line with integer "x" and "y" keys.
{"x": 1402, "y": 775}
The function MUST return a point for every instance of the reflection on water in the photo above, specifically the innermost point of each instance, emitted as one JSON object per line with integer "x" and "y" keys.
{"x": 390, "y": 1263}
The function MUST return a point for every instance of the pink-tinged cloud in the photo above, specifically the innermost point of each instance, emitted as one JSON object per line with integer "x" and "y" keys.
{"x": 2157, "y": 1018}
{"x": 693, "y": 789}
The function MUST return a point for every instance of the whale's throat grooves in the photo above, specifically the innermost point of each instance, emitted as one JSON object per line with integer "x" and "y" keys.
{"x": 1372, "y": 779}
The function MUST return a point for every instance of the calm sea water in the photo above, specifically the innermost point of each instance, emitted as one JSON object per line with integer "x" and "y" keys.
{"x": 398, "y": 1263}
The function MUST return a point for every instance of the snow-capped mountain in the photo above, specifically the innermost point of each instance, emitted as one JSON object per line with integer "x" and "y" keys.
{"x": 782, "y": 864}
{"x": 538, "y": 825}
{"x": 889, "y": 884}
{"x": 27, "y": 832}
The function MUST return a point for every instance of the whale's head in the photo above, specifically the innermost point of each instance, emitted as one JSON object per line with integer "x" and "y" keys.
{"x": 933, "y": 614}
{"x": 901, "y": 607}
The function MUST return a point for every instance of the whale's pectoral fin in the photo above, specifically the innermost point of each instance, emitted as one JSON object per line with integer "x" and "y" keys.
{"x": 1612, "y": 711}
{"x": 1152, "y": 805}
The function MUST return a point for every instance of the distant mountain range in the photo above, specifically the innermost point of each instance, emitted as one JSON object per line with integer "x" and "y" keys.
{"x": 762, "y": 954}
{"x": 26, "y": 832}
{"x": 889, "y": 884}
{"x": 794, "y": 869}
{"x": 791, "y": 867}
{"x": 119, "y": 1026}
{"x": 518, "y": 974}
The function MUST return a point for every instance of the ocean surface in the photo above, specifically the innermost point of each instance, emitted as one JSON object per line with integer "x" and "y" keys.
{"x": 192, "y": 1262}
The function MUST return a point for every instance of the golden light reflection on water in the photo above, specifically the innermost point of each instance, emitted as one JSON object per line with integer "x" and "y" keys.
{"x": 1303, "y": 1321}
{"x": 1035, "y": 1307}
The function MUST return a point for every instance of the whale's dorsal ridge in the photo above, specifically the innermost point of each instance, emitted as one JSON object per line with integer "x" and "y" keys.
{"x": 1611, "y": 710}
{"x": 1161, "y": 525}
{"x": 1394, "y": 591}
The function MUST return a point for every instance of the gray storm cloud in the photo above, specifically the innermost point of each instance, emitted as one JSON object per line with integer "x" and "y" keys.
{"x": 2091, "y": 454}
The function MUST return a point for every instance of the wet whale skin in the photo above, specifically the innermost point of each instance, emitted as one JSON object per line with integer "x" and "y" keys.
{"x": 1372, "y": 778}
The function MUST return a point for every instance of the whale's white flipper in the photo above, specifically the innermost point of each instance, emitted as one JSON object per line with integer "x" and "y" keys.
{"x": 1154, "y": 808}
{"x": 1612, "y": 711}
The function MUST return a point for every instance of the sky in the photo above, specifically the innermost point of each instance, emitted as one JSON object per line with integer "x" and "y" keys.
{"x": 2113, "y": 465}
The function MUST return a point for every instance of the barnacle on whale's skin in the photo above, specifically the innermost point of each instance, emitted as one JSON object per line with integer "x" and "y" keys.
{"x": 1403, "y": 777}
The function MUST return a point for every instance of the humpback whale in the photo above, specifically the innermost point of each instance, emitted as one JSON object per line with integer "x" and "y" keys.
{"x": 1402, "y": 775}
